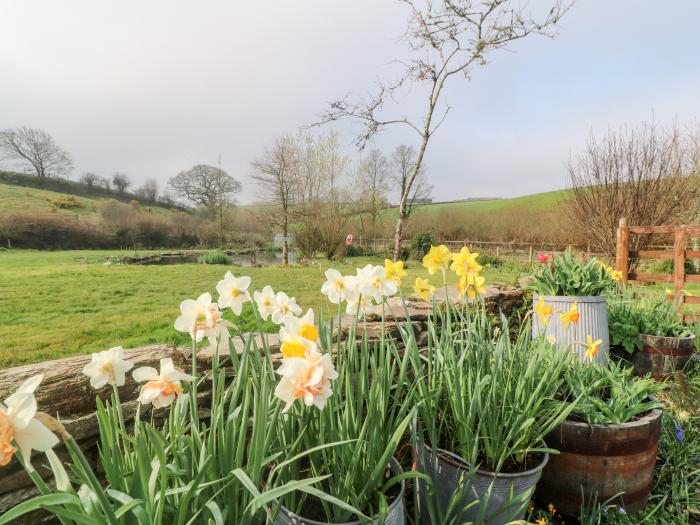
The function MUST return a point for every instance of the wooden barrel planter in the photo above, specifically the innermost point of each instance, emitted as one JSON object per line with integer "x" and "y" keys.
{"x": 661, "y": 356}
{"x": 601, "y": 461}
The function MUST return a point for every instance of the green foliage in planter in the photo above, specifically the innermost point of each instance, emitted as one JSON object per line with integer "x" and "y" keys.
{"x": 572, "y": 275}
{"x": 216, "y": 257}
{"x": 629, "y": 317}
{"x": 485, "y": 396}
{"x": 608, "y": 394}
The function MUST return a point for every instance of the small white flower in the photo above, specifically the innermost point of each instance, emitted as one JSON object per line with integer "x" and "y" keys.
{"x": 18, "y": 424}
{"x": 198, "y": 317}
{"x": 108, "y": 367}
{"x": 366, "y": 306}
{"x": 373, "y": 283}
{"x": 161, "y": 388}
{"x": 233, "y": 292}
{"x": 284, "y": 306}
{"x": 308, "y": 378}
{"x": 339, "y": 287}
{"x": 265, "y": 302}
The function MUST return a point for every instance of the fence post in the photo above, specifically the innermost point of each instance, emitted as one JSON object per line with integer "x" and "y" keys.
{"x": 622, "y": 252}
{"x": 679, "y": 265}
{"x": 529, "y": 257}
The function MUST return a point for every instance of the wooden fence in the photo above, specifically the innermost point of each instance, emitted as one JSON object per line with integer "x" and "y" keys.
{"x": 678, "y": 253}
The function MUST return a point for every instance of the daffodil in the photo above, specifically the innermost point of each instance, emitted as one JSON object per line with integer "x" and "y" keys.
{"x": 464, "y": 262}
{"x": 108, "y": 367}
{"x": 373, "y": 282}
{"x": 19, "y": 426}
{"x": 423, "y": 288}
{"x": 474, "y": 285}
{"x": 308, "y": 378}
{"x": 362, "y": 305}
{"x": 541, "y": 521}
{"x": 233, "y": 292}
{"x": 394, "y": 270}
{"x": 551, "y": 508}
{"x": 572, "y": 316}
{"x": 298, "y": 335}
{"x": 543, "y": 311}
{"x": 339, "y": 288}
{"x": 265, "y": 302}
{"x": 284, "y": 306}
{"x": 437, "y": 259}
{"x": 198, "y": 317}
{"x": 592, "y": 347}
{"x": 616, "y": 275}
{"x": 162, "y": 387}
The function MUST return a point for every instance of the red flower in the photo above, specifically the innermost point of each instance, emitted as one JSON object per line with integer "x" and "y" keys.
{"x": 542, "y": 257}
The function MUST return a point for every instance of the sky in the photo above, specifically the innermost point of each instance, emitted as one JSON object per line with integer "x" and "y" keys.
{"x": 152, "y": 88}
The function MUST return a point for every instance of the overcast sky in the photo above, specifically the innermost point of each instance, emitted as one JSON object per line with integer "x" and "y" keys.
{"x": 151, "y": 88}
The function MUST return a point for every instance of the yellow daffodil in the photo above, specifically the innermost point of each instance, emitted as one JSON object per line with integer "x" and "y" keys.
{"x": 475, "y": 285}
{"x": 423, "y": 288}
{"x": 543, "y": 311}
{"x": 437, "y": 259}
{"x": 541, "y": 521}
{"x": 464, "y": 262}
{"x": 394, "y": 270}
{"x": 572, "y": 316}
{"x": 551, "y": 508}
{"x": 592, "y": 347}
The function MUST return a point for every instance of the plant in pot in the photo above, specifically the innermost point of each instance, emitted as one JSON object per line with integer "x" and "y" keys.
{"x": 649, "y": 334}
{"x": 569, "y": 287}
{"x": 607, "y": 446}
{"x": 487, "y": 400}
{"x": 354, "y": 438}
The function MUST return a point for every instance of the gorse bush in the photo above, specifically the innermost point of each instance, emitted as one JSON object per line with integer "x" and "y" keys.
{"x": 66, "y": 202}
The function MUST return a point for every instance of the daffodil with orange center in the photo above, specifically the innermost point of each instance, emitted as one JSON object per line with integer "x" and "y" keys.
{"x": 572, "y": 316}
{"x": 543, "y": 311}
{"x": 592, "y": 347}
{"x": 161, "y": 388}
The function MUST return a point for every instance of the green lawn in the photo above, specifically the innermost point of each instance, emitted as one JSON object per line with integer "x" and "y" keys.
{"x": 53, "y": 304}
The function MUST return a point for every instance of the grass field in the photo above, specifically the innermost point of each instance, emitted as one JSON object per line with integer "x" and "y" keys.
{"x": 55, "y": 304}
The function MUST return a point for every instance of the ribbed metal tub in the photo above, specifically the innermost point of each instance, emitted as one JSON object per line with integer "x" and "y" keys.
{"x": 601, "y": 461}
{"x": 395, "y": 516}
{"x": 593, "y": 321}
{"x": 447, "y": 470}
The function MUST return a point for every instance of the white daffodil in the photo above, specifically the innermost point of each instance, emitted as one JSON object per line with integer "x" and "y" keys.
{"x": 374, "y": 283}
{"x": 366, "y": 306}
{"x": 108, "y": 367}
{"x": 198, "y": 317}
{"x": 18, "y": 424}
{"x": 265, "y": 301}
{"x": 161, "y": 388}
{"x": 284, "y": 306}
{"x": 308, "y": 378}
{"x": 339, "y": 288}
{"x": 298, "y": 336}
{"x": 233, "y": 292}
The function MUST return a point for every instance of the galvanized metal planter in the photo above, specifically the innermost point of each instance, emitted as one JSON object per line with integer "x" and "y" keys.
{"x": 661, "y": 356}
{"x": 593, "y": 321}
{"x": 395, "y": 516}
{"x": 448, "y": 471}
{"x": 601, "y": 461}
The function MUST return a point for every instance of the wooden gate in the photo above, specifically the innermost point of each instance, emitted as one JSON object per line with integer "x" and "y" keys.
{"x": 678, "y": 255}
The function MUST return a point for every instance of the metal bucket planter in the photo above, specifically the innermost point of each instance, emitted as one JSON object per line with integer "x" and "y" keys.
{"x": 395, "y": 514}
{"x": 601, "y": 461}
{"x": 593, "y": 321}
{"x": 661, "y": 356}
{"x": 448, "y": 471}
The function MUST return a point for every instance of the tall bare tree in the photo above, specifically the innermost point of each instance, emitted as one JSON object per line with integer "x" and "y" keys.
{"x": 121, "y": 181}
{"x": 646, "y": 174}
{"x": 148, "y": 190}
{"x": 36, "y": 148}
{"x": 373, "y": 184}
{"x": 403, "y": 159}
{"x": 90, "y": 179}
{"x": 449, "y": 39}
{"x": 275, "y": 174}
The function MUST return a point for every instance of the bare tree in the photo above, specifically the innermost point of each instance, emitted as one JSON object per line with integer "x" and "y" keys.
{"x": 36, "y": 148}
{"x": 90, "y": 179}
{"x": 205, "y": 185}
{"x": 106, "y": 183}
{"x": 121, "y": 181}
{"x": 403, "y": 159}
{"x": 449, "y": 38}
{"x": 275, "y": 174}
{"x": 148, "y": 190}
{"x": 644, "y": 174}
{"x": 373, "y": 183}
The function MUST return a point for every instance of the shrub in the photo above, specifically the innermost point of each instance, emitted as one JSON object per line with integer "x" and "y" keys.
{"x": 666, "y": 266}
{"x": 421, "y": 243}
{"x": 66, "y": 202}
{"x": 216, "y": 257}
{"x": 307, "y": 239}
{"x": 487, "y": 259}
